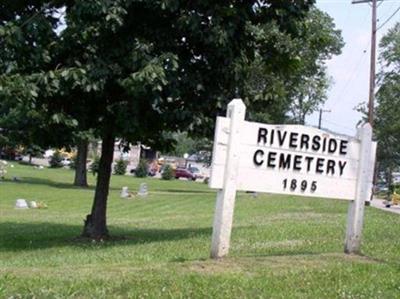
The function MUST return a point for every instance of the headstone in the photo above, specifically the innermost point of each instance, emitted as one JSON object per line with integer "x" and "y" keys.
{"x": 21, "y": 204}
{"x": 33, "y": 204}
{"x": 143, "y": 189}
{"x": 125, "y": 192}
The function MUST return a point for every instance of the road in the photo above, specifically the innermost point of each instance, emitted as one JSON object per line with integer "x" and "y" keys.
{"x": 378, "y": 203}
{"x": 37, "y": 161}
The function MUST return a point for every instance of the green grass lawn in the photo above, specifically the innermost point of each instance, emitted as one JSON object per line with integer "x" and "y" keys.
{"x": 281, "y": 247}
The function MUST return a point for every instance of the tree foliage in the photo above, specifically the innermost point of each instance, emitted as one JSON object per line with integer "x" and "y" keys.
{"x": 120, "y": 167}
{"x": 94, "y": 166}
{"x": 142, "y": 170}
{"x": 56, "y": 160}
{"x": 277, "y": 93}
{"x": 133, "y": 69}
{"x": 185, "y": 144}
{"x": 168, "y": 173}
{"x": 28, "y": 41}
{"x": 387, "y": 121}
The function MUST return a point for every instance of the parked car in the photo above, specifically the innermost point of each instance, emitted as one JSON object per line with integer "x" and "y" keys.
{"x": 10, "y": 154}
{"x": 48, "y": 153}
{"x": 181, "y": 172}
{"x": 66, "y": 161}
{"x": 197, "y": 172}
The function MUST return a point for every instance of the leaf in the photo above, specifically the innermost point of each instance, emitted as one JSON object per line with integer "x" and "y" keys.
{"x": 34, "y": 93}
{"x": 64, "y": 73}
{"x": 56, "y": 118}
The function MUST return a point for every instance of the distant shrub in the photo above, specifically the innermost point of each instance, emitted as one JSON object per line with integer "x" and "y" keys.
{"x": 120, "y": 167}
{"x": 3, "y": 171}
{"x": 168, "y": 173}
{"x": 94, "y": 167}
{"x": 142, "y": 170}
{"x": 73, "y": 161}
{"x": 56, "y": 160}
{"x": 394, "y": 188}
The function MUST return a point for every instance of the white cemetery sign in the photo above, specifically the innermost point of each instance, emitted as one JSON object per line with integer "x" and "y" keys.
{"x": 287, "y": 159}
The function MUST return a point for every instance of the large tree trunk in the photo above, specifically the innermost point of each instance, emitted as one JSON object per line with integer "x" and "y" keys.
{"x": 80, "y": 164}
{"x": 95, "y": 224}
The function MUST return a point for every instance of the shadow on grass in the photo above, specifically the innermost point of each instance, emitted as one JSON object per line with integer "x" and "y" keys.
{"x": 47, "y": 182}
{"x": 51, "y": 183}
{"x": 17, "y": 236}
{"x": 70, "y": 186}
{"x": 292, "y": 252}
{"x": 184, "y": 191}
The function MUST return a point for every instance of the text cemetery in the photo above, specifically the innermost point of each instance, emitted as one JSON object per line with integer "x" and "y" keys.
{"x": 303, "y": 143}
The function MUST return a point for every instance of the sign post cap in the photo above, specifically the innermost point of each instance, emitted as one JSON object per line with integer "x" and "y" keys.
{"x": 236, "y": 102}
{"x": 366, "y": 125}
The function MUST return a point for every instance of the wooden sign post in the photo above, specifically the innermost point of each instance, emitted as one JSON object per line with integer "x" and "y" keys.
{"x": 355, "y": 216}
{"x": 288, "y": 159}
{"x": 226, "y": 196}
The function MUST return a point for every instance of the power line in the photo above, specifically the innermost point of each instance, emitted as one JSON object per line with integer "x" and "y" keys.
{"x": 388, "y": 19}
{"x": 353, "y": 73}
{"x": 389, "y": 10}
{"x": 355, "y": 68}
{"x": 338, "y": 125}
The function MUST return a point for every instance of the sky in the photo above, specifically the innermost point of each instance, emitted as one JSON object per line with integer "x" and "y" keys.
{"x": 350, "y": 70}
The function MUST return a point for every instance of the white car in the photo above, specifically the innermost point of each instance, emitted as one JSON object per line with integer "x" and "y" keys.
{"x": 197, "y": 172}
{"x": 66, "y": 161}
{"x": 48, "y": 153}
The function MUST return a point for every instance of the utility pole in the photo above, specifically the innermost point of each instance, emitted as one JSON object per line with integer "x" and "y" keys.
{"x": 373, "y": 60}
{"x": 372, "y": 73}
{"x": 320, "y": 117}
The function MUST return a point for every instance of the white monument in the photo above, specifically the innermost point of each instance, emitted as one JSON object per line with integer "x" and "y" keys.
{"x": 33, "y": 204}
{"x": 143, "y": 191}
{"x": 288, "y": 159}
{"x": 125, "y": 192}
{"x": 21, "y": 204}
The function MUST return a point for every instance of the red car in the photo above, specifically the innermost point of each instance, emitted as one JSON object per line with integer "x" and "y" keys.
{"x": 185, "y": 173}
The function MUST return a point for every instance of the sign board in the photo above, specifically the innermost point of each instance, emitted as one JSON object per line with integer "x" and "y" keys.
{"x": 288, "y": 159}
